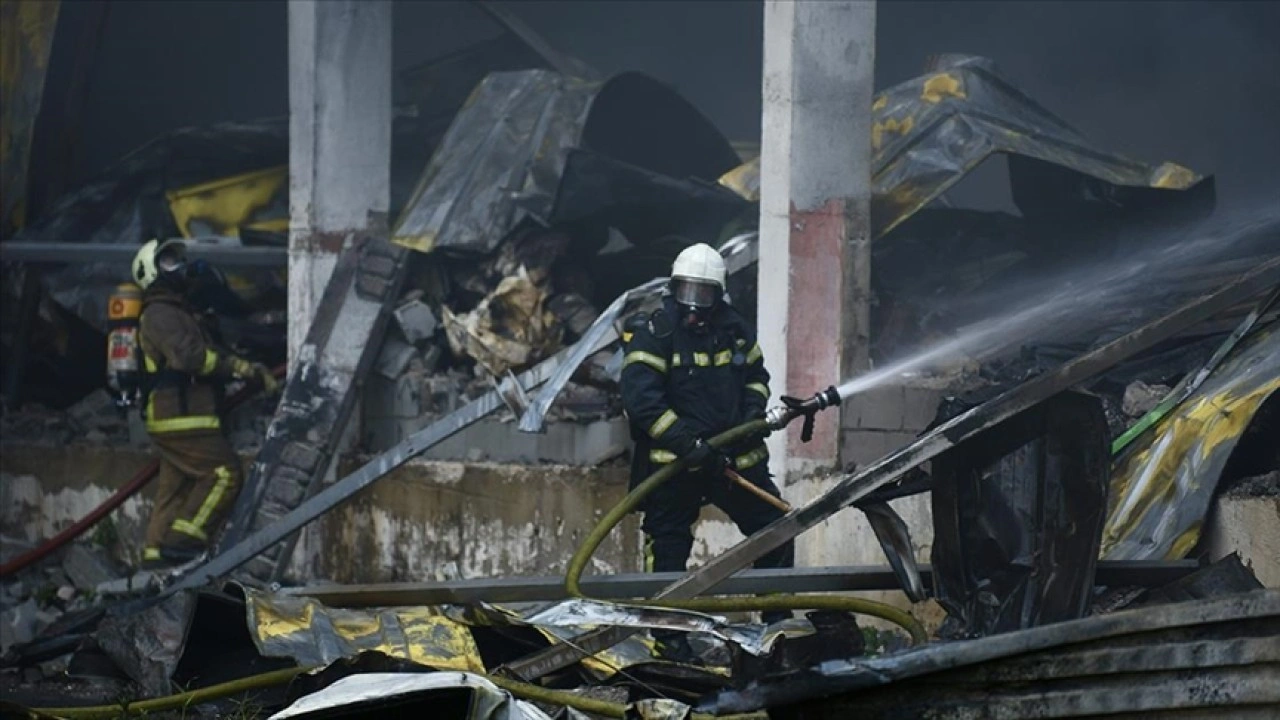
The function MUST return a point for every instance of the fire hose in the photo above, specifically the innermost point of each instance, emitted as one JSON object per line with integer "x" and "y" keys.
{"x": 274, "y": 678}
{"x": 777, "y": 419}
{"x": 136, "y": 483}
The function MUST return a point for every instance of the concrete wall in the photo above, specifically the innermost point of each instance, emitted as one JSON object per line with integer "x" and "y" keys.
{"x": 426, "y": 520}
{"x": 444, "y": 520}
{"x": 1251, "y": 527}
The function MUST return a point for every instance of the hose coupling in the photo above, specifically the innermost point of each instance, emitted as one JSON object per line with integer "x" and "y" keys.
{"x": 792, "y": 408}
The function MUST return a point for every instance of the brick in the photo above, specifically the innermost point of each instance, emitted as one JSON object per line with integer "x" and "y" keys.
{"x": 379, "y": 265}
{"x": 919, "y": 406}
{"x": 876, "y": 409}
{"x": 863, "y": 447}
{"x": 371, "y": 287}
{"x": 416, "y": 321}
{"x": 394, "y": 358}
{"x": 301, "y": 456}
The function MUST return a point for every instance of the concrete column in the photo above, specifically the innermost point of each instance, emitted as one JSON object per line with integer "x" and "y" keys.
{"x": 814, "y": 206}
{"x": 339, "y": 140}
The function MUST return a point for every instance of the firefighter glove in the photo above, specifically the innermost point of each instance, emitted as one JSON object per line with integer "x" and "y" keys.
{"x": 708, "y": 461}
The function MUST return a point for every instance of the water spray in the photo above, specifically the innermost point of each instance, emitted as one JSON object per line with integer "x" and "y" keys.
{"x": 792, "y": 408}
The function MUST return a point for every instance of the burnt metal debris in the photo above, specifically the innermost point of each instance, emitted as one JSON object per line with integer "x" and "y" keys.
{"x": 1208, "y": 656}
{"x": 544, "y": 192}
{"x": 1017, "y": 516}
{"x": 852, "y": 488}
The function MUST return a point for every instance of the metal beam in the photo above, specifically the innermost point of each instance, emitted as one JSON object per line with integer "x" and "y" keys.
{"x": 890, "y": 468}
{"x": 83, "y": 253}
{"x": 338, "y": 493}
{"x": 1143, "y": 573}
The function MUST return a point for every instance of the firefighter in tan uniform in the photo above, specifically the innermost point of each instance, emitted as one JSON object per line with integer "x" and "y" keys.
{"x": 200, "y": 475}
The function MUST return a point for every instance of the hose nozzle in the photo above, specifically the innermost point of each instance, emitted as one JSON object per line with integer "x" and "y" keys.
{"x": 792, "y": 408}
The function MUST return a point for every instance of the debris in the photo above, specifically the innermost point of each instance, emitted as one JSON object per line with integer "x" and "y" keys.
{"x": 1165, "y": 482}
{"x": 431, "y": 358}
{"x": 416, "y": 321}
{"x": 509, "y": 330}
{"x": 66, "y": 593}
{"x": 1054, "y": 671}
{"x": 573, "y": 311}
{"x": 394, "y": 358}
{"x": 422, "y": 694}
{"x": 1017, "y": 514}
{"x": 147, "y": 645}
{"x": 97, "y": 410}
{"x": 87, "y": 567}
{"x": 19, "y": 624}
{"x": 1140, "y": 398}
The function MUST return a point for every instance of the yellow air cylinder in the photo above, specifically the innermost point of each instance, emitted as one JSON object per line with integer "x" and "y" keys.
{"x": 124, "y": 308}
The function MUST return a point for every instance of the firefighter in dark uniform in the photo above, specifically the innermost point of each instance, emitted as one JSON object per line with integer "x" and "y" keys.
{"x": 183, "y": 374}
{"x": 693, "y": 370}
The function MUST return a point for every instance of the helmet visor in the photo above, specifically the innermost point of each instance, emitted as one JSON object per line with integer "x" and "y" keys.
{"x": 697, "y": 293}
{"x": 171, "y": 259}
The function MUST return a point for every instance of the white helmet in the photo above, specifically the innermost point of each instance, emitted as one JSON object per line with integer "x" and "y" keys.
{"x": 156, "y": 258}
{"x": 698, "y": 276}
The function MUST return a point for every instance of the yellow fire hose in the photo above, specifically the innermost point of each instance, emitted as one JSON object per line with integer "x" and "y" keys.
{"x": 714, "y": 605}
{"x": 279, "y": 677}
{"x": 572, "y": 577}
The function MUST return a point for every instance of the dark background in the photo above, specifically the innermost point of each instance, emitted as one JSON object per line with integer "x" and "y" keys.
{"x": 1192, "y": 82}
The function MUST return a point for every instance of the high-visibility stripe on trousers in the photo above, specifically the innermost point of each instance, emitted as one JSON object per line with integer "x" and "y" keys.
{"x": 197, "y": 486}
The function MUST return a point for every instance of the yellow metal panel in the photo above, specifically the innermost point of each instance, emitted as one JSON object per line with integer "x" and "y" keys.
{"x": 26, "y": 38}
{"x": 1159, "y": 487}
{"x": 258, "y": 200}
{"x": 941, "y": 86}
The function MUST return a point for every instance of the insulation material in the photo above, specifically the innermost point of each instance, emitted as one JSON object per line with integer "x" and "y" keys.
{"x": 1163, "y": 486}
{"x": 509, "y": 330}
{"x": 440, "y": 637}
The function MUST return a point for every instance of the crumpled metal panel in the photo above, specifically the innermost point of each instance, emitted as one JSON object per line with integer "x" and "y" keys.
{"x": 583, "y": 613}
{"x": 310, "y": 633}
{"x": 313, "y": 634}
{"x": 1207, "y": 658}
{"x": 1162, "y": 487}
{"x": 1017, "y": 515}
{"x": 396, "y": 690}
{"x": 929, "y": 132}
{"x": 126, "y": 204}
{"x": 499, "y": 162}
{"x": 503, "y": 158}
{"x": 147, "y": 645}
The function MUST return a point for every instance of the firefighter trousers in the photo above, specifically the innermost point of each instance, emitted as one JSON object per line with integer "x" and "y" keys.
{"x": 672, "y": 509}
{"x": 200, "y": 477}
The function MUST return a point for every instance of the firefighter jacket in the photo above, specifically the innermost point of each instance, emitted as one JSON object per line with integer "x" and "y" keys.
{"x": 183, "y": 371}
{"x": 679, "y": 385}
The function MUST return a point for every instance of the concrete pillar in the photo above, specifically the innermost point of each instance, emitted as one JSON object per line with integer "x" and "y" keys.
{"x": 339, "y": 140}
{"x": 814, "y": 205}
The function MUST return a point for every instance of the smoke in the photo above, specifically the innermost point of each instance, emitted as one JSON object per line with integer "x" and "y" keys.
{"x": 1191, "y": 82}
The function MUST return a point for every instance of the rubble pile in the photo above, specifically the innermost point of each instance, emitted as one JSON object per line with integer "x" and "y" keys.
{"x": 35, "y": 599}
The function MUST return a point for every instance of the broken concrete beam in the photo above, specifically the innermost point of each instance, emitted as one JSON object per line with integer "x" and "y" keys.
{"x": 394, "y": 358}
{"x": 416, "y": 321}
{"x": 86, "y": 568}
